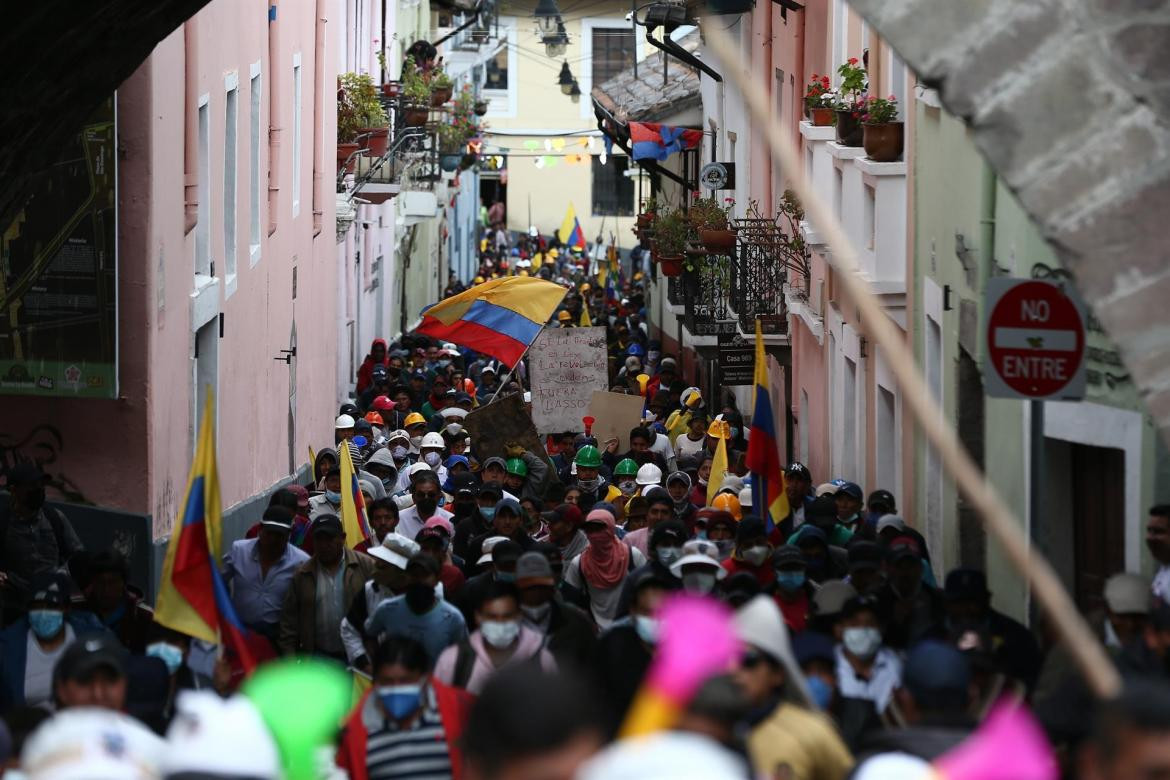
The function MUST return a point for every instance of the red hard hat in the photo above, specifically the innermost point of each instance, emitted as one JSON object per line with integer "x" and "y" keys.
{"x": 381, "y": 403}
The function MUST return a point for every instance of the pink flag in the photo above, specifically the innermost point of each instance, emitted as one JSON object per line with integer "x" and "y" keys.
{"x": 1010, "y": 745}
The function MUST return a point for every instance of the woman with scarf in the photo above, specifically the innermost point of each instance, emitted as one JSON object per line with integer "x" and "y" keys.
{"x": 678, "y": 485}
{"x": 601, "y": 571}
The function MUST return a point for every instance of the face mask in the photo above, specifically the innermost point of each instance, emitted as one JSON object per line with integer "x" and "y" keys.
{"x": 398, "y": 453}
{"x": 389, "y": 484}
{"x": 862, "y": 642}
{"x": 426, "y": 507}
{"x": 538, "y": 613}
{"x": 454, "y": 428}
{"x": 755, "y": 556}
{"x": 646, "y": 628}
{"x": 725, "y": 546}
{"x": 488, "y": 512}
{"x": 432, "y": 459}
{"x": 702, "y": 482}
{"x": 698, "y": 582}
{"x": 505, "y": 576}
{"x": 735, "y": 433}
{"x": 333, "y": 497}
{"x": 419, "y": 597}
{"x": 589, "y": 485}
{"x": 822, "y": 692}
{"x": 789, "y": 580}
{"x": 628, "y": 488}
{"x": 668, "y": 555}
{"x": 35, "y": 499}
{"x": 400, "y": 700}
{"x": 46, "y": 623}
{"x": 500, "y": 633}
{"x": 169, "y": 654}
{"x": 415, "y": 441}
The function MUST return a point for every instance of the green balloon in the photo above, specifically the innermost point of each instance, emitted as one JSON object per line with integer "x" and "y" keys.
{"x": 303, "y": 702}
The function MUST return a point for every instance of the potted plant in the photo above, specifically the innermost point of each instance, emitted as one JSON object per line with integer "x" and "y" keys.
{"x": 349, "y": 123}
{"x": 649, "y": 212}
{"x": 848, "y": 102}
{"x": 884, "y": 134}
{"x": 373, "y": 131}
{"x": 441, "y": 86}
{"x": 670, "y": 240}
{"x": 415, "y": 94}
{"x": 710, "y": 218}
{"x": 819, "y": 100}
{"x": 481, "y": 107}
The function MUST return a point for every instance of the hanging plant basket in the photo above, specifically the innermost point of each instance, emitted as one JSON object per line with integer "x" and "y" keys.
{"x": 718, "y": 241}
{"x": 440, "y": 95}
{"x": 671, "y": 265}
{"x": 415, "y": 116}
{"x": 346, "y": 159}
{"x": 666, "y": 14}
{"x": 449, "y": 162}
{"x": 822, "y": 117}
{"x": 375, "y": 139}
{"x": 481, "y": 107}
{"x": 883, "y": 143}
{"x": 849, "y": 131}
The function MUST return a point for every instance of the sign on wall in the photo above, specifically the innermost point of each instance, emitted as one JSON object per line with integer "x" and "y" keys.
{"x": 737, "y": 360}
{"x": 58, "y": 273}
{"x": 1035, "y": 341}
{"x": 566, "y": 366}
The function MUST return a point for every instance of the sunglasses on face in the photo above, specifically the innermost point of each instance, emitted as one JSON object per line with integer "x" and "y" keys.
{"x": 752, "y": 658}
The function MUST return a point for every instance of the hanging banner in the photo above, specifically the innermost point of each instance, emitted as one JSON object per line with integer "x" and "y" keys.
{"x": 566, "y": 366}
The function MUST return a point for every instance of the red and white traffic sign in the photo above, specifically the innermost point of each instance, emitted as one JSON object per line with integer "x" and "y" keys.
{"x": 1035, "y": 341}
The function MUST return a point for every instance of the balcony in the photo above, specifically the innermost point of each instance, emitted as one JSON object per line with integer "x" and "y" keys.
{"x": 706, "y": 293}
{"x": 758, "y": 274}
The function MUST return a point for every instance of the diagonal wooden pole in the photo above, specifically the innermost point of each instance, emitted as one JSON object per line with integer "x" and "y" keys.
{"x": 999, "y": 520}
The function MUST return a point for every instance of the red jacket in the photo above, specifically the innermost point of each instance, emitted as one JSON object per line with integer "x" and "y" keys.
{"x": 454, "y": 707}
{"x": 765, "y": 574}
{"x": 365, "y": 376}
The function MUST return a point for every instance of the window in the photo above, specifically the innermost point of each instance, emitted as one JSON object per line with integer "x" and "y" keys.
{"x": 849, "y": 420}
{"x": 803, "y": 424}
{"x": 614, "y": 50}
{"x": 613, "y": 191}
{"x": 497, "y": 71}
{"x": 231, "y": 85}
{"x": 296, "y": 155}
{"x": 887, "y": 446}
{"x": 203, "y": 264}
{"x": 254, "y": 90}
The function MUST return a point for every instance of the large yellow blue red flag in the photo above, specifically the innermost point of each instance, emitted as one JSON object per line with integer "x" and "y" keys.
{"x": 353, "y": 503}
{"x": 718, "y": 463}
{"x": 763, "y": 455}
{"x": 193, "y": 597}
{"x": 501, "y": 317}
{"x": 571, "y": 234}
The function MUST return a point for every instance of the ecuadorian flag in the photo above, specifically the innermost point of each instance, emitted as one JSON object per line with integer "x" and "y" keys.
{"x": 571, "y": 234}
{"x": 763, "y": 457}
{"x": 353, "y": 503}
{"x": 193, "y": 597}
{"x": 501, "y": 317}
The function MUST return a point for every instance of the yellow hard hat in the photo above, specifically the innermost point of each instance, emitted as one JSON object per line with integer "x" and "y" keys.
{"x": 477, "y": 280}
{"x": 553, "y": 253}
{"x": 728, "y": 503}
{"x": 523, "y": 273}
{"x": 719, "y": 429}
{"x": 637, "y": 276}
{"x": 414, "y": 418}
{"x": 564, "y": 316}
{"x": 584, "y": 287}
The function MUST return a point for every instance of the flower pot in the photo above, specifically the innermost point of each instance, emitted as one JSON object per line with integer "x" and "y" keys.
{"x": 883, "y": 143}
{"x": 415, "y": 116}
{"x": 390, "y": 89}
{"x": 671, "y": 265}
{"x": 822, "y": 117}
{"x": 440, "y": 95}
{"x": 481, "y": 107}
{"x": 345, "y": 156}
{"x": 849, "y": 132}
{"x": 449, "y": 162}
{"x": 375, "y": 139}
{"x": 719, "y": 241}
{"x": 645, "y": 219}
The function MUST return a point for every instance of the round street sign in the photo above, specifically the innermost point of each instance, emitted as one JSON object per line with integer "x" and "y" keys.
{"x": 713, "y": 176}
{"x": 1035, "y": 341}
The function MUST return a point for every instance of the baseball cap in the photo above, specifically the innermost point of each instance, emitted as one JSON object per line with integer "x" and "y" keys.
{"x": 327, "y": 524}
{"x": 962, "y": 584}
{"x": 88, "y": 743}
{"x": 798, "y": 470}
{"x": 936, "y": 672}
{"x": 830, "y": 598}
{"x": 903, "y": 547}
{"x": 702, "y": 552}
{"x": 861, "y": 604}
{"x": 486, "y": 548}
{"x": 812, "y": 646}
{"x": 215, "y": 737}
{"x": 87, "y": 654}
{"x": 787, "y": 556}
{"x": 302, "y": 494}
{"x": 882, "y": 498}
{"x": 395, "y": 549}
{"x": 277, "y": 517}
{"x": 497, "y": 461}
{"x": 379, "y": 372}
{"x": 490, "y": 488}
{"x": 1127, "y": 594}
{"x": 533, "y": 569}
{"x": 850, "y": 489}
{"x": 50, "y": 588}
{"x": 890, "y": 521}
{"x": 504, "y": 552}
{"x": 441, "y": 523}
{"x": 434, "y": 532}
{"x": 568, "y": 512}
{"x": 826, "y": 489}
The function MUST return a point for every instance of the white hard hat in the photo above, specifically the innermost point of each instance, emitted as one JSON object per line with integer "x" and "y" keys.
{"x": 649, "y": 474}
{"x": 432, "y": 440}
{"x": 665, "y": 755}
{"x": 532, "y": 231}
{"x": 343, "y": 421}
{"x": 745, "y": 497}
{"x": 416, "y": 468}
{"x": 398, "y": 434}
{"x": 212, "y": 736}
{"x": 92, "y": 744}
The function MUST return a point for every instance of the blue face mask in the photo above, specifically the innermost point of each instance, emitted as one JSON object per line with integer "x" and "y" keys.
{"x": 333, "y": 496}
{"x": 169, "y": 654}
{"x": 789, "y": 580}
{"x": 488, "y": 512}
{"x": 400, "y": 700}
{"x": 506, "y": 576}
{"x": 46, "y": 623}
{"x": 822, "y": 692}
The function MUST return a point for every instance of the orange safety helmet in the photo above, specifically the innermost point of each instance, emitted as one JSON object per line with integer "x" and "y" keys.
{"x": 728, "y": 503}
{"x": 373, "y": 418}
{"x": 469, "y": 387}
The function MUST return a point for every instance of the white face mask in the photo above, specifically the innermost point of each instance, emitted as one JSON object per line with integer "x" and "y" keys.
{"x": 700, "y": 582}
{"x": 398, "y": 453}
{"x": 538, "y": 613}
{"x": 861, "y": 641}
{"x": 755, "y": 555}
{"x": 415, "y": 441}
{"x": 500, "y": 633}
{"x": 432, "y": 459}
{"x": 647, "y": 628}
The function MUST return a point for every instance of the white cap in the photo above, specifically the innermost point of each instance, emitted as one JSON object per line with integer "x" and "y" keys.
{"x": 890, "y": 521}
{"x": 532, "y": 231}
{"x": 894, "y": 766}
{"x": 527, "y": 397}
{"x": 664, "y": 755}
{"x": 487, "y": 546}
{"x": 453, "y": 412}
{"x": 398, "y": 434}
{"x": 92, "y": 744}
{"x": 1127, "y": 594}
{"x": 343, "y": 421}
{"x": 700, "y": 551}
{"x": 745, "y": 496}
{"x": 416, "y": 468}
{"x": 432, "y": 439}
{"x": 214, "y": 736}
{"x": 396, "y": 550}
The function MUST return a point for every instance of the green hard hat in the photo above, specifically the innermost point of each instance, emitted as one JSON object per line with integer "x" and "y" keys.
{"x": 627, "y": 468}
{"x": 517, "y": 466}
{"x": 588, "y": 456}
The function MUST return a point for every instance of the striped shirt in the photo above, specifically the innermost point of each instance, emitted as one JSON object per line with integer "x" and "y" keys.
{"x": 417, "y": 752}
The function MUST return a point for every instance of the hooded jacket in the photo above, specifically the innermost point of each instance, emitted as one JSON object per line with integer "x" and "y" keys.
{"x": 365, "y": 375}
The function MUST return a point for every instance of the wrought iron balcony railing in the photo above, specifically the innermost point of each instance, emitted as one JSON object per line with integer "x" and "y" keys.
{"x": 705, "y": 291}
{"x": 758, "y": 273}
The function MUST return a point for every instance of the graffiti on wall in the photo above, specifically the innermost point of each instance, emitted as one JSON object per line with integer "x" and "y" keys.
{"x": 42, "y": 444}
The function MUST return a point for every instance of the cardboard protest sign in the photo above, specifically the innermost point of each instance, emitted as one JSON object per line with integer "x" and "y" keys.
{"x": 614, "y": 414}
{"x": 505, "y": 420}
{"x": 566, "y": 366}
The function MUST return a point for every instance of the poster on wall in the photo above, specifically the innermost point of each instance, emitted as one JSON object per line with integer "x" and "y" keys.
{"x": 58, "y": 273}
{"x": 566, "y": 365}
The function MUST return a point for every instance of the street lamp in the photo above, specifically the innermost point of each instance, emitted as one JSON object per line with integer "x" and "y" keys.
{"x": 556, "y": 44}
{"x": 565, "y": 79}
{"x": 546, "y": 14}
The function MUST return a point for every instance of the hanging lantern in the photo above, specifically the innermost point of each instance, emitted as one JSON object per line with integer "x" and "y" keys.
{"x": 566, "y": 78}
{"x": 546, "y": 14}
{"x": 556, "y": 44}
{"x": 575, "y": 92}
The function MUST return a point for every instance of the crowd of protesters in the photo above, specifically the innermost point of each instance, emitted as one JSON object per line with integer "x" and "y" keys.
{"x": 506, "y": 611}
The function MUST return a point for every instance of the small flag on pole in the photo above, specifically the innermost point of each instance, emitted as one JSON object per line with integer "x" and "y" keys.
{"x": 763, "y": 456}
{"x": 571, "y": 234}
{"x": 353, "y": 503}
